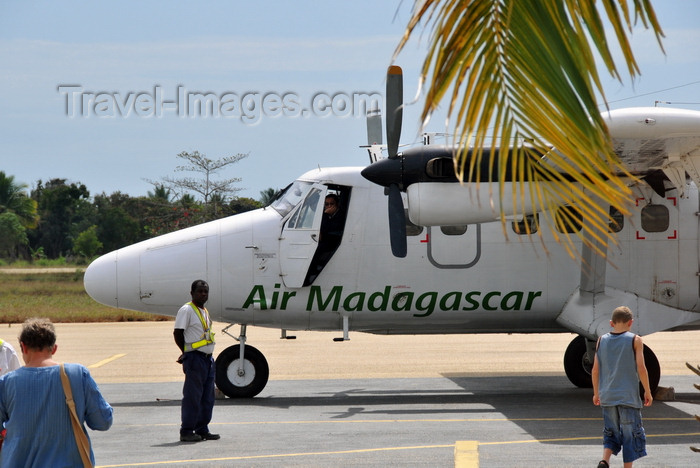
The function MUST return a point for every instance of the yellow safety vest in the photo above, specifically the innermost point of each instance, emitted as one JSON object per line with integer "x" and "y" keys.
{"x": 208, "y": 335}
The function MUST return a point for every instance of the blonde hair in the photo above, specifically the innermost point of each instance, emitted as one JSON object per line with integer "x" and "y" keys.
{"x": 622, "y": 314}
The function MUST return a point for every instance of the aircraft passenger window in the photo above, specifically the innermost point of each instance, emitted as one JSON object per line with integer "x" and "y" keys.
{"x": 527, "y": 225}
{"x": 617, "y": 221}
{"x": 655, "y": 218}
{"x": 454, "y": 230}
{"x": 412, "y": 229}
{"x": 568, "y": 219}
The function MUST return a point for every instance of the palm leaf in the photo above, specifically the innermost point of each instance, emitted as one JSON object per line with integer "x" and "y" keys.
{"x": 516, "y": 71}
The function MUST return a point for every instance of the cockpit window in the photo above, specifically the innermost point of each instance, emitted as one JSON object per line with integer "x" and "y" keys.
{"x": 291, "y": 197}
{"x": 304, "y": 216}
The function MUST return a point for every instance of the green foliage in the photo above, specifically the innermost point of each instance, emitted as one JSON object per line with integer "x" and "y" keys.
{"x": 12, "y": 234}
{"x": 515, "y": 71}
{"x": 243, "y": 204}
{"x": 267, "y": 196}
{"x": 38, "y": 253}
{"x": 69, "y": 223}
{"x": 38, "y": 263}
{"x": 121, "y": 220}
{"x": 58, "y": 296}
{"x": 65, "y": 211}
{"x": 87, "y": 244}
{"x": 160, "y": 193}
{"x": 13, "y": 199}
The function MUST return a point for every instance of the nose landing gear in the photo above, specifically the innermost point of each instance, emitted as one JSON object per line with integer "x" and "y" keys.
{"x": 241, "y": 370}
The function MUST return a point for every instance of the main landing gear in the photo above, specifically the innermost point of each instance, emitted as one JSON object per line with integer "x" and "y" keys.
{"x": 241, "y": 370}
{"x": 578, "y": 363}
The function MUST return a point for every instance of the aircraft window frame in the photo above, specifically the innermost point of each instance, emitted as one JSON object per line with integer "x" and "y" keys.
{"x": 617, "y": 220}
{"x": 568, "y": 220}
{"x": 528, "y": 225}
{"x": 455, "y": 230}
{"x": 291, "y": 197}
{"x": 655, "y": 218}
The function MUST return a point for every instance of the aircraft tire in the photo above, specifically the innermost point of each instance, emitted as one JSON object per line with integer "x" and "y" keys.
{"x": 248, "y": 385}
{"x": 576, "y": 365}
{"x": 578, "y": 369}
{"x": 653, "y": 369}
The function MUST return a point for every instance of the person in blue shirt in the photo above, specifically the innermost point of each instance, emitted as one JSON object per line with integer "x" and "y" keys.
{"x": 618, "y": 369}
{"x": 33, "y": 405}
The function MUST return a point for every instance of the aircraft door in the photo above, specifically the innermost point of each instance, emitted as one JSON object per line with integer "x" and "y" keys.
{"x": 454, "y": 247}
{"x": 299, "y": 238}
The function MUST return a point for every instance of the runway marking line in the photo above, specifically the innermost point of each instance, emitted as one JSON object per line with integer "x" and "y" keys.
{"x": 280, "y": 455}
{"x": 106, "y": 361}
{"x": 466, "y": 452}
{"x": 469, "y": 447}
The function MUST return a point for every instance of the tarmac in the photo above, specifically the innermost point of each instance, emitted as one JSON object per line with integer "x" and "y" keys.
{"x": 376, "y": 401}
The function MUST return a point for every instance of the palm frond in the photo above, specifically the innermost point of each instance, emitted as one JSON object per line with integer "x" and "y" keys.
{"x": 520, "y": 77}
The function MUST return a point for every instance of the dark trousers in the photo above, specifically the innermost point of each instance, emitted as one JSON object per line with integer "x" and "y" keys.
{"x": 197, "y": 393}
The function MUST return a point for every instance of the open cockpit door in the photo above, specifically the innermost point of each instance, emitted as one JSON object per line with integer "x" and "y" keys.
{"x": 299, "y": 238}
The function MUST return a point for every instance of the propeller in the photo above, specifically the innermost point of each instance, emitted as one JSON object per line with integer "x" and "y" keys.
{"x": 427, "y": 163}
{"x": 394, "y": 109}
{"x": 394, "y": 115}
{"x": 397, "y": 222}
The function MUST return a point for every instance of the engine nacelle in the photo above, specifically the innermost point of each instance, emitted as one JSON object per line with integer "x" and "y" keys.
{"x": 445, "y": 204}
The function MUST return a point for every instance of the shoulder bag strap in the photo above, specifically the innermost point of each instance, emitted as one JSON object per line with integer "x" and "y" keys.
{"x": 80, "y": 437}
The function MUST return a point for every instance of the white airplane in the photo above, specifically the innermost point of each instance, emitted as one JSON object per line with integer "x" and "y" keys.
{"x": 447, "y": 270}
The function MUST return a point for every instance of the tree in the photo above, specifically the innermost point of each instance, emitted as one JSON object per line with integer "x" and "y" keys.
{"x": 267, "y": 196}
{"x": 243, "y": 204}
{"x": 216, "y": 202}
{"x": 14, "y": 199}
{"x": 160, "y": 193}
{"x": 121, "y": 220}
{"x": 65, "y": 211}
{"x": 519, "y": 71}
{"x": 87, "y": 244}
{"x": 12, "y": 235}
{"x": 206, "y": 186}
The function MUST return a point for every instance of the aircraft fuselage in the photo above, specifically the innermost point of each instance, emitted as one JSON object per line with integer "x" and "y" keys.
{"x": 454, "y": 279}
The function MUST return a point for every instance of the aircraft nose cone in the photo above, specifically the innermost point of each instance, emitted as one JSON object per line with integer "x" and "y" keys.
{"x": 100, "y": 280}
{"x": 384, "y": 172}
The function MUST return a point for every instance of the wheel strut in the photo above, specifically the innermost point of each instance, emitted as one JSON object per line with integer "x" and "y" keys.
{"x": 241, "y": 338}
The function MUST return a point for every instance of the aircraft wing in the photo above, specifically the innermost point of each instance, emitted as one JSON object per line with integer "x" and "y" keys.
{"x": 649, "y": 139}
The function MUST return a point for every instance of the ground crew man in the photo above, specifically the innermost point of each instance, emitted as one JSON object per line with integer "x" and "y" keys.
{"x": 195, "y": 338}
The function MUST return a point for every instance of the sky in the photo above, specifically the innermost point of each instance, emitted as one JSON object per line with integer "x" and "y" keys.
{"x": 106, "y": 94}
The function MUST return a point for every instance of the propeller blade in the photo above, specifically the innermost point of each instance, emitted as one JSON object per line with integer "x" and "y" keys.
{"x": 394, "y": 109}
{"x": 397, "y": 222}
